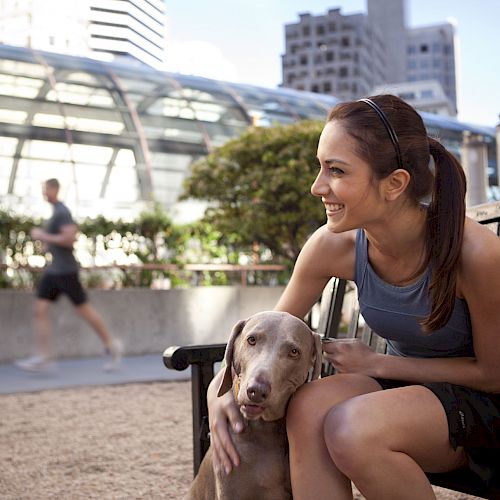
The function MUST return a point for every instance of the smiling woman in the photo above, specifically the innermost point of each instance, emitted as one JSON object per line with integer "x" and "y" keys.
{"x": 428, "y": 281}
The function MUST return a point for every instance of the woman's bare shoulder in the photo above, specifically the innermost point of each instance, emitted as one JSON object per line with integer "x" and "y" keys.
{"x": 333, "y": 254}
{"x": 480, "y": 257}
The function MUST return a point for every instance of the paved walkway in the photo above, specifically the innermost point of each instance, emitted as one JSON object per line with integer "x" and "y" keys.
{"x": 85, "y": 372}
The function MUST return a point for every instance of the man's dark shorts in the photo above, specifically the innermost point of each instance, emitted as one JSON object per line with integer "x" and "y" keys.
{"x": 473, "y": 422}
{"x": 52, "y": 285}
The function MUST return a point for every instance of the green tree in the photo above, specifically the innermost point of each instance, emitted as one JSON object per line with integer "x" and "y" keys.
{"x": 258, "y": 187}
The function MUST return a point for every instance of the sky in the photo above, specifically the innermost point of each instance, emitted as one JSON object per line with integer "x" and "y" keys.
{"x": 243, "y": 40}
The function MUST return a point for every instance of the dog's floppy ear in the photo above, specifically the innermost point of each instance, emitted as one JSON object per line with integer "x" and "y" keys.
{"x": 318, "y": 357}
{"x": 227, "y": 380}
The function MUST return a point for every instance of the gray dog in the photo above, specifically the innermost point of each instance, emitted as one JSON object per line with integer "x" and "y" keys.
{"x": 268, "y": 357}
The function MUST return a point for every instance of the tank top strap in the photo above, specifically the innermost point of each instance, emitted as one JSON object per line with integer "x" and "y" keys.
{"x": 361, "y": 252}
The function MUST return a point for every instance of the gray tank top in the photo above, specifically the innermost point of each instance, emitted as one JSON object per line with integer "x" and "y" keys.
{"x": 394, "y": 312}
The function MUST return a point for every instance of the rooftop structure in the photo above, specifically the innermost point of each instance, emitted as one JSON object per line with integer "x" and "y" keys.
{"x": 118, "y": 137}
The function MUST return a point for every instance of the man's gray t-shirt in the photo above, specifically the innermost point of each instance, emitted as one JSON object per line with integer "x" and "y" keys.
{"x": 63, "y": 260}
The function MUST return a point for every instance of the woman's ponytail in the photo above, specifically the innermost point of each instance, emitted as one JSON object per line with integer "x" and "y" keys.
{"x": 445, "y": 228}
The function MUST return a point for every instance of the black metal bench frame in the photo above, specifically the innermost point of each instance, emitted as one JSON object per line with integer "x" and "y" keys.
{"x": 202, "y": 359}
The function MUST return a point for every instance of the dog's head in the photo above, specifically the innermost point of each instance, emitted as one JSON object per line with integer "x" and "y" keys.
{"x": 269, "y": 356}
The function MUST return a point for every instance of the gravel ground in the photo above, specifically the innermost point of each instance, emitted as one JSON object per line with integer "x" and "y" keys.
{"x": 113, "y": 442}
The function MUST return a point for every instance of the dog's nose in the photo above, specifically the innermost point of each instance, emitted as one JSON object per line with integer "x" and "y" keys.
{"x": 258, "y": 391}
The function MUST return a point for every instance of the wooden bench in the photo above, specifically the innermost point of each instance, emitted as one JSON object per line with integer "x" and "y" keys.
{"x": 202, "y": 359}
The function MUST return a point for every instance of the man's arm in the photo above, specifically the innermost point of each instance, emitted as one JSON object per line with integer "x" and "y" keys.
{"x": 65, "y": 238}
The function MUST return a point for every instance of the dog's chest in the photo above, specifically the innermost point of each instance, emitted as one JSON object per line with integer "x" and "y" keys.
{"x": 264, "y": 468}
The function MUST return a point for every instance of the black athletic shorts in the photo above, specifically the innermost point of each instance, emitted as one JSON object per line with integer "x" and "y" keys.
{"x": 473, "y": 422}
{"x": 52, "y": 285}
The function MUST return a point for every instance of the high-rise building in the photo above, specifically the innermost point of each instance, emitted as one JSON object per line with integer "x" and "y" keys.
{"x": 103, "y": 29}
{"x": 389, "y": 16}
{"x": 351, "y": 55}
{"x": 333, "y": 54}
{"x": 431, "y": 56}
{"x": 129, "y": 27}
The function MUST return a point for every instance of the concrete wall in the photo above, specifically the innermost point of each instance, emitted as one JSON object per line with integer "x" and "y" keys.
{"x": 148, "y": 321}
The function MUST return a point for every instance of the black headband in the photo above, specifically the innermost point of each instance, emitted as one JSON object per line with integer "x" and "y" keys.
{"x": 388, "y": 126}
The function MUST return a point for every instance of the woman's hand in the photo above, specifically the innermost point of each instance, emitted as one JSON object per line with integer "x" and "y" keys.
{"x": 350, "y": 356}
{"x": 222, "y": 412}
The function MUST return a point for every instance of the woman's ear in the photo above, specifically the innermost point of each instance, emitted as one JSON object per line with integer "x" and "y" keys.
{"x": 395, "y": 184}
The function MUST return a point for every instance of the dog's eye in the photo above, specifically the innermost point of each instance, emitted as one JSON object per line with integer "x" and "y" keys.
{"x": 294, "y": 353}
{"x": 251, "y": 340}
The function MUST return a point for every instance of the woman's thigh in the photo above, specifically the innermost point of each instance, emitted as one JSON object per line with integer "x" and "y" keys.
{"x": 410, "y": 420}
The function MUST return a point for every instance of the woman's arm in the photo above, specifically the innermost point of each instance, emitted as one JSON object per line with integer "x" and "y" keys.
{"x": 323, "y": 256}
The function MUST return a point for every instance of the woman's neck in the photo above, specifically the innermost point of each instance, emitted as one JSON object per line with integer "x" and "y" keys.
{"x": 397, "y": 248}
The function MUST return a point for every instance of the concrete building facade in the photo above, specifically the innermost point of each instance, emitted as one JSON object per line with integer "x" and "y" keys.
{"x": 425, "y": 95}
{"x": 101, "y": 29}
{"x": 333, "y": 54}
{"x": 431, "y": 56}
{"x": 350, "y": 55}
{"x": 389, "y": 17}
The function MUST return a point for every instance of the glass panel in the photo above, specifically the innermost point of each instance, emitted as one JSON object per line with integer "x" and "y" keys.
{"x": 125, "y": 158}
{"x": 16, "y": 86}
{"x": 78, "y": 94}
{"x": 11, "y": 67}
{"x": 46, "y": 150}
{"x": 97, "y": 155}
{"x": 122, "y": 186}
{"x": 7, "y": 146}
{"x": 171, "y": 162}
{"x": 5, "y": 171}
{"x": 12, "y": 116}
{"x": 89, "y": 179}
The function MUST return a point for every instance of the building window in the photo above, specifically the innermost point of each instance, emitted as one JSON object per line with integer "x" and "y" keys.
{"x": 303, "y": 60}
{"x": 320, "y": 29}
{"x": 315, "y": 89}
{"x": 427, "y": 94}
{"x": 306, "y": 30}
{"x": 411, "y": 49}
{"x": 329, "y": 57}
{"x": 332, "y": 27}
{"x": 327, "y": 87}
{"x": 412, "y": 64}
{"x": 343, "y": 72}
{"x": 318, "y": 59}
{"x": 424, "y": 48}
{"x": 407, "y": 96}
{"x": 345, "y": 41}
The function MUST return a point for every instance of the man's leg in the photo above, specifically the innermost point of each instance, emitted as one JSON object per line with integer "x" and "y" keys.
{"x": 114, "y": 347}
{"x": 43, "y": 331}
{"x": 42, "y": 361}
{"x": 94, "y": 319}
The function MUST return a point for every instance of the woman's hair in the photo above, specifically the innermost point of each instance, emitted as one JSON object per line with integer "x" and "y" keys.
{"x": 446, "y": 185}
